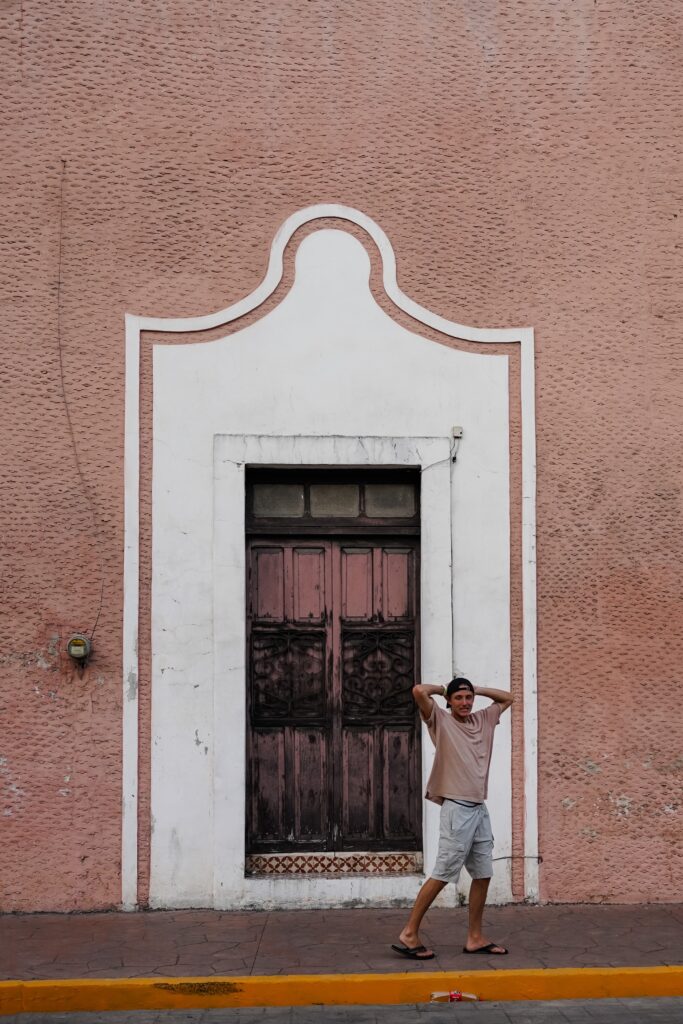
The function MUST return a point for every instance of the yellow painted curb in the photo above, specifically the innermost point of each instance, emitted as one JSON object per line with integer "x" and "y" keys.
{"x": 82, "y": 994}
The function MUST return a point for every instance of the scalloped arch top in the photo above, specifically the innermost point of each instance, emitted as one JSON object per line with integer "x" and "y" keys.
{"x": 275, "y": 272}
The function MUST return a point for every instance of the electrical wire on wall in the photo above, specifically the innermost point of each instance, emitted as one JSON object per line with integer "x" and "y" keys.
{"x": 84, "y": 485}
{"x": 452, "y": 457}
{"x": 522, "y": 856}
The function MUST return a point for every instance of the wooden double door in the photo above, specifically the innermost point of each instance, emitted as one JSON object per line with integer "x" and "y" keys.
{"x": 333, "y": 755}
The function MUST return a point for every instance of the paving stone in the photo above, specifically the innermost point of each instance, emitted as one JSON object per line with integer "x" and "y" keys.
{"x": 210, "y": 942}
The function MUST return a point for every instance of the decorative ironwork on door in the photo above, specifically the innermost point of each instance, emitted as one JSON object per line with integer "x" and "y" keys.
{"x": 333, "y": 735}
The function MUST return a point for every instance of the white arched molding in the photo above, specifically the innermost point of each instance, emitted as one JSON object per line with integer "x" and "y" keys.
{"x": 135, "y": 325}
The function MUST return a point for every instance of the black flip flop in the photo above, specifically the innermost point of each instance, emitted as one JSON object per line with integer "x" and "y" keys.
{"x": 489, "y": 950}
{"x": 413, "y": 953}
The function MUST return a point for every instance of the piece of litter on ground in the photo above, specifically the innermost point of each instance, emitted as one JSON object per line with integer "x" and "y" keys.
{"x": 453, "y": 997}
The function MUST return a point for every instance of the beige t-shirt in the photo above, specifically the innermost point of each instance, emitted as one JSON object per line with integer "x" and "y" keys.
{"x": 463, "y": 754}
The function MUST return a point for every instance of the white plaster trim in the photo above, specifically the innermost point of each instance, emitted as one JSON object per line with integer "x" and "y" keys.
{"x": 528, "y": 405}
{"x": 131, "y": 599}
{"x": 134, "y": 326}
{"x": 231, "y": 453}
{"x": 274, "y": 276}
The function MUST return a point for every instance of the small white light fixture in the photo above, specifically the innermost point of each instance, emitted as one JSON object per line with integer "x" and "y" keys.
{"x": 78, "y": 648}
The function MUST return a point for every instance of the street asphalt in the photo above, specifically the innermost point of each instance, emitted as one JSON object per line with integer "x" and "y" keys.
{"x": 583, "y": 1011}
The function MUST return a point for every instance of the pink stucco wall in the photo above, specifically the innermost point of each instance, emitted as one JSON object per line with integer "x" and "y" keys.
{"x": 525, "y": 160}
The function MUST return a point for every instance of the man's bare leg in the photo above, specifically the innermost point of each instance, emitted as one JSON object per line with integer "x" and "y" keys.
{"x": 475, "y": 938}
{"x": 410, "y": 936}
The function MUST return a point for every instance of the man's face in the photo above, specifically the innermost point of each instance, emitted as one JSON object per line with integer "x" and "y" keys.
{"x": 461, "y": 703}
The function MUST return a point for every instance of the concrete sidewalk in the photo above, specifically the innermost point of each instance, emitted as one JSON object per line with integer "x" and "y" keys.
{"x": 205, "y": 943}
{"x": 181, "y": 960}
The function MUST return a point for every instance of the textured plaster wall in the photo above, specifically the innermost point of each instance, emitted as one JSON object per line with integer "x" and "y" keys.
{"x": 525, "y": 160}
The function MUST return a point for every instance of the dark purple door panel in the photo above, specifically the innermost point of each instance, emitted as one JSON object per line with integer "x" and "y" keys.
{"x": 333, "y": 736}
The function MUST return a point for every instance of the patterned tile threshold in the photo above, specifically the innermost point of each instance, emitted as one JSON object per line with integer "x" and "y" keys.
{"x": 334, "y": 864}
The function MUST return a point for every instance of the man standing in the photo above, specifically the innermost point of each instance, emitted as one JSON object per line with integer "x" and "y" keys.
{"x": 458, "y": 782}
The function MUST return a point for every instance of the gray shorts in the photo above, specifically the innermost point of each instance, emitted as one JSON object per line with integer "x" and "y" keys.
{"x": 465, "y": 837}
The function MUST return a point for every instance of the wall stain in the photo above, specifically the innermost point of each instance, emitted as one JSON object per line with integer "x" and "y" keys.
{"x": 622, "y": 805}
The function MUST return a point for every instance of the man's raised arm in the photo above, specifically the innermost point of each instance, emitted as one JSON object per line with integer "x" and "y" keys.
{"x": 422, "y": 695}
{"x": 501, "y": 697}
